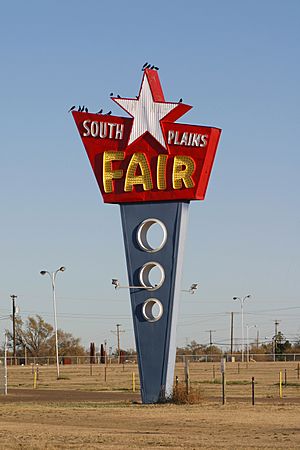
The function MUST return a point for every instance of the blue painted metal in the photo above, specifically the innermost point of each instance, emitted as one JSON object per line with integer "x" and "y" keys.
{"x": 155, "y": 341}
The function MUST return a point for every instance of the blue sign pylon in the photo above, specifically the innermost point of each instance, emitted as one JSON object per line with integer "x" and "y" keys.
{"x": 155, "y": 304}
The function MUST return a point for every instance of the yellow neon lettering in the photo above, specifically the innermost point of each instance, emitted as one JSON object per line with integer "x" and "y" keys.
{"x": 138, "y": 160}
{"x": 161, "y": 172}
{"x": 108, "y": 173}
{"x": 183, "y": 175}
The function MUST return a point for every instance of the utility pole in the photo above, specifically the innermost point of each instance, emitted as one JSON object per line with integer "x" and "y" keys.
{"x": 105, "y": 351}
{"x": 231, "y": 334}
{"x": 118, "y": 339}
{"x": 276, "y": 323}
{"x": 210, "y": 341}
{"x": 13, "y": 297}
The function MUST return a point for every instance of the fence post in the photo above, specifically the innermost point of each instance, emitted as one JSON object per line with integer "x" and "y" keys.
{"x": 285, "y": 378}
{"x": 5, "y": 365}
{"x": 280, "y": 384}
{"x": 133, "y": 382}
{"x": 253, "y": 400}
{"x": 105, "y": 369}
{"x": 187, "y": 376}
{"x": 223, "y": 368}
{"x": 298, "y": 371}
{"x": 34, "y": 378}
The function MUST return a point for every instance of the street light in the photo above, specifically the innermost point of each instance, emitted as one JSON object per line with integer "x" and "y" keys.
{"x": 52, "y": 276}
{"x": 192, "y": 289}
{"x": 248, "y": 327}
{"x": 117, "y": 285}
{"x": 242, "y": 300}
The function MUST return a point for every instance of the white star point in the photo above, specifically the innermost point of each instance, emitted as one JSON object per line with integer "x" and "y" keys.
{"x": 146, "y": 114}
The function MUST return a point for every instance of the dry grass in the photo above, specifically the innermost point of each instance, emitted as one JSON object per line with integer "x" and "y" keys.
{"x": 205, "y": 426}
{"x": 195, "y": 421}
{"x": 205, "y": 376}
{"x": 184, "y": 396}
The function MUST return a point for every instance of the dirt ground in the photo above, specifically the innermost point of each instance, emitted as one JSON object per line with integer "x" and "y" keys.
{"x": 44, "y": 422}
{"x": 83, "y": 411}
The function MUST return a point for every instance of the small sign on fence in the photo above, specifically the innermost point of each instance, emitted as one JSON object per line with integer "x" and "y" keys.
{"x": 223, "y": 365}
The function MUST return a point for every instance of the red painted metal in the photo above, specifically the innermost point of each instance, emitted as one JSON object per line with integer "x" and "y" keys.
{"x": 203, "y": 156}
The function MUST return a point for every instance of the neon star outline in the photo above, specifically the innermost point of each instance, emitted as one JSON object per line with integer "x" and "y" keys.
{"x": 147, "y": 113}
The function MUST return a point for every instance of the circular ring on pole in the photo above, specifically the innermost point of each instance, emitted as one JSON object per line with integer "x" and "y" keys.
{"x": 143, "y": 238}
{"x": 145, "y": 276}
{"x": 152, "y": 310}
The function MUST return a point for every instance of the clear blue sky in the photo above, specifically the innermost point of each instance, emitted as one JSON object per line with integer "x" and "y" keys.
{"x": 238, "y": 64}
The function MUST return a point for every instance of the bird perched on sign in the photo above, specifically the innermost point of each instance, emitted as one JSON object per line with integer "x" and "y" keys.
{"x": 193, "y": 288}
{"x": 109, "y": 113}
{"x": 100, "y": 112}
{"x": 71, "y": 109}
{"x": 149, "y": 66}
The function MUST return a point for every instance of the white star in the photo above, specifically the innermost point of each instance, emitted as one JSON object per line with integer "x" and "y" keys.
{"x": 146, "y": 113}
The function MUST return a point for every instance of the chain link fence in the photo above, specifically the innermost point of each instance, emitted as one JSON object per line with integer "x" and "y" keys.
{"x": 132, "y": 359}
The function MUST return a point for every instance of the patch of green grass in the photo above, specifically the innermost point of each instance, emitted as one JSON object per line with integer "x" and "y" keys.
{"x": 240, "y": 382}
{"x": 217, "y": 381}
{"x": 63, "y": 377}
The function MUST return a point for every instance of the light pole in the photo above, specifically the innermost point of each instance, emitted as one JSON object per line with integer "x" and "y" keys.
{"x": 13, "y": 298}
{"x": 52, "y": 276}
{"x": 242, "y": 300}
{"x": 248, "y": 327}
